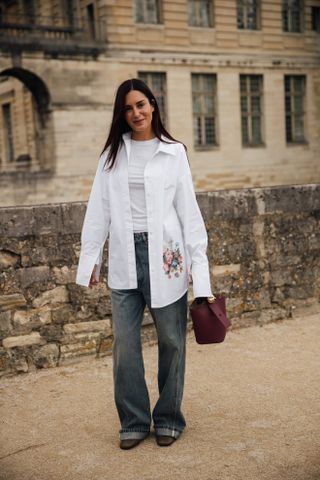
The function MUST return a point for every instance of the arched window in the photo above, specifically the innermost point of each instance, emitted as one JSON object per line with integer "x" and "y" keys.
{"x": 26, "y": 136}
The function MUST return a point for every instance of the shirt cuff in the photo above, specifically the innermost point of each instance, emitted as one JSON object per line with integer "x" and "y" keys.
{"x": 201, "y": 280}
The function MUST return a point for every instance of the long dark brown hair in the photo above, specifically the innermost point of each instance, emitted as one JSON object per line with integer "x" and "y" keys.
{"x": 119, "y": 125}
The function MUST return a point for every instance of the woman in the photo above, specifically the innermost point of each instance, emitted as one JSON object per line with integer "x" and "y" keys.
{"x": 143, "y": 199}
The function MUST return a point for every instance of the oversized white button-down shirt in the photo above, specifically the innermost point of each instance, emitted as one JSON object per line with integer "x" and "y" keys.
{"x": 177, "y": 240}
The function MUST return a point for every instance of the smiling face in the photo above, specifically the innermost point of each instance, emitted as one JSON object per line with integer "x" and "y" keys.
{"x": 138, "y": 115}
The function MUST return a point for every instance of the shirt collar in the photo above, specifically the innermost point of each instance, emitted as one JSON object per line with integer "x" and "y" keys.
{"x": 162, "y": 147}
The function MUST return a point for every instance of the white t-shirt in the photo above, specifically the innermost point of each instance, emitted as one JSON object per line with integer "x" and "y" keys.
{"x": 141, "y": 152}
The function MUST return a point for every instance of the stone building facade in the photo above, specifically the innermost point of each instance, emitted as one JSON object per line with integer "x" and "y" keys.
{"x": 237, "y": 81}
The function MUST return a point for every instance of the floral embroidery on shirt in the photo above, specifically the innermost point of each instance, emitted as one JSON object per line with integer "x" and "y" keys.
{"x": 172, "y": 260}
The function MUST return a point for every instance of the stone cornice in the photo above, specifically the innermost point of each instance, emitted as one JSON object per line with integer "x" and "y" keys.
{"x": 227, "y": 60}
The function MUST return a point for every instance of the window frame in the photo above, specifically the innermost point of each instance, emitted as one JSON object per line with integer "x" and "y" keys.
{"x": 203, "y": 115}
{"x": 315, "y": 17}
{"x": 91, "y": 20}
{"x": 146, "y": 20}
{"x": 245, "y": 5}
{"x": 8, "y": 134}
{"x": 292, "y": 114}
{"x": 150, "y": 75}
{"x": 29, "y": 9}
{"x": 197, "y": 9}
{"x": 287, "y": 9}
{"x": 249, "y": 116}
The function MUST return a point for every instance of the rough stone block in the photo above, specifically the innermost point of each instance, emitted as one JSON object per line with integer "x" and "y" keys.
{"x": 47, "y": 356}
{"x": 104, "y": 308}
{"x": 232, "y": 268}
{"x": 52, "y": 332}
{"x": 44, "y": 315}
{"x": 278, "y": 296}
{"x": 283, "y": 261}
{"x": 224, "y": 284}
{"x": 233, "y": 304}
{"x": 77, "y": 349}
{"x": 11, "y": 302}
{"x": 88, "y": 337}
{"x": 271, "y": 315}
{"x": 94, "y": 294}
{"x": 24, "y": 321}
{"x": 5, "y": 324}
{"x": 20, "y": 365}
{"x": 149, "y": 334}
{"x": 56, "y": 295}
{"x": 302, "y": 292}
{"x": 296, "y": 198}
{"x": 304, "y": 307}
{"x": 246, "y": 319}
{"x": 62, "y": 315}
{"x": 28, "y": 276}
{"x": 237, "y": 251}
{"x": 147, "y": 319}
{"x": 103, "y": 326}
{"x": 23, "y": 340}
{"x": 262, "y": 298}
{"x": 4, "y": 361}
{"x": 85, "y": 313}
{"x": 105, "y": 347}
{"x": 80, "y": 296}
{"x": 229, "y": 203}
{"x": 314, "y": 242}
{"x": 64, "y": 275}
{"x": 31, "y": 220}
{"x": 278, "y": 278}
{"x": 20, "y": 318}
{"x": 8, "y": 259}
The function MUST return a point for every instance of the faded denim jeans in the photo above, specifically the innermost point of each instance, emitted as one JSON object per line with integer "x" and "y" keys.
{"x": 130, "y": 389}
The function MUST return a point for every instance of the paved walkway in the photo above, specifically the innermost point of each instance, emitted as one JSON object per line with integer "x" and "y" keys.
{"x": 252, "y": 406}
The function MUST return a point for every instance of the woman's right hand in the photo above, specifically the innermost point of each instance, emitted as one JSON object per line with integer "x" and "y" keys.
{"x": 93, "y": 279}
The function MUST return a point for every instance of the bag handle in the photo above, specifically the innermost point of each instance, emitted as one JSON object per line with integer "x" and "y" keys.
{"x": 215, "y": 308}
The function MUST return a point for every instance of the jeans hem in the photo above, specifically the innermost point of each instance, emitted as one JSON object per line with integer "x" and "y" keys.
{"x": 170, "y": 432}
{"x": 133, "y": 435}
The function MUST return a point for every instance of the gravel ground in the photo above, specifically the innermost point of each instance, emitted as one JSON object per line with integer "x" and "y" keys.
{"x": 251, "y": 405}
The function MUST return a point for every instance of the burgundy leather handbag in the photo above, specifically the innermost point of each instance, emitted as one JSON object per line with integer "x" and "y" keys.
{"x": 210, "y": 322}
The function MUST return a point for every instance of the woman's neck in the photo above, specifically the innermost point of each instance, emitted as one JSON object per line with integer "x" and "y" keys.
{"x": 142, "y": 135}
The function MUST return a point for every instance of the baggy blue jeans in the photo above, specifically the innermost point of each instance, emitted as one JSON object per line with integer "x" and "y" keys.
{"x": 130, "y": 389}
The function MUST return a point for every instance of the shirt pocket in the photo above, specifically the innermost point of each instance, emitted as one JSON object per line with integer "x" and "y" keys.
{"x": 169, "y": 191}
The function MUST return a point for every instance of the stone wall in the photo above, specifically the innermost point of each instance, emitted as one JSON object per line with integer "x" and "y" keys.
{"x": 264, "y": 253}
